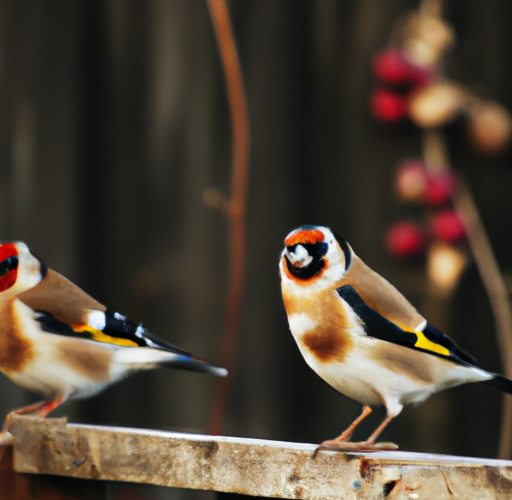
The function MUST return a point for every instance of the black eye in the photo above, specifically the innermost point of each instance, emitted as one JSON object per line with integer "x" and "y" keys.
{"x": 8, "y": 265}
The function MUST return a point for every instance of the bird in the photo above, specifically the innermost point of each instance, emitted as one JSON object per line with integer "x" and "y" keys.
{"x": 57, "y": 340}
{"x": 362, "y": 336}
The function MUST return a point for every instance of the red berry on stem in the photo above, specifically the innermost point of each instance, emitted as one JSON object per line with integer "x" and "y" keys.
{"x": 405, "y": 239}
{"x": 440, "y": 187}
{"x": 387, "y": 106}
{"x": 447, "y": 226}
{"x": 392, "y": 66}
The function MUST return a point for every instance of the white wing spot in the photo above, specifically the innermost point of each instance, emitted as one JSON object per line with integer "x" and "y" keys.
{"x": 421, "y": 326}
{"x": 96, "y": 319}
{"x": 139, "y": 332}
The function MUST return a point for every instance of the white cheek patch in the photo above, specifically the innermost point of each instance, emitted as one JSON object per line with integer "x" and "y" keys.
{"x": 29, "y": 269}
{"x": 301, "y": 323}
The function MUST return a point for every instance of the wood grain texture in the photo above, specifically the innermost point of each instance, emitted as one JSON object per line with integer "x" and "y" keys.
{"x": 249, "y": 466}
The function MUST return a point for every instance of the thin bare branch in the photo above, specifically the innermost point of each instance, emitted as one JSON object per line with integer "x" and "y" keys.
{"x": 236, "y": 206}
{"x": 436, "y": 155}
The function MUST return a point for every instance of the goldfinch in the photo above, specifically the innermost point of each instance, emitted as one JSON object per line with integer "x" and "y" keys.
{"x": 57, "y": 340}
{"x": 362, "y": 336}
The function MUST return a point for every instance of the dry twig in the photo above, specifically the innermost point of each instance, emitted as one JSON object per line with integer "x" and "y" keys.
{"x": 436, "y": 155}
{"x": 235, "y": 207}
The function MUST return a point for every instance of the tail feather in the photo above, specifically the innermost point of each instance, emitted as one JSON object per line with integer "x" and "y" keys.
{"x": 500, "y": 382}
{"x": 147, "y": 358}
{"x": 194, "y": 365}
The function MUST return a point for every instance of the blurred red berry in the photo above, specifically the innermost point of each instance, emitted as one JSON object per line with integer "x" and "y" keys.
{"x": 411, "y": 180}
{"x": 392, "y": 66}
{"x": 440, "y": 187}
{"x": 387, "y": 106}
{"x": 405, "y": 239}
{"x": 447, "y": 226}
{"x": 415, "y": 183}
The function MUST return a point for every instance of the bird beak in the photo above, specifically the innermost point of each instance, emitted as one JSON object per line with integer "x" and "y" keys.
{"x": 299, "y": 257}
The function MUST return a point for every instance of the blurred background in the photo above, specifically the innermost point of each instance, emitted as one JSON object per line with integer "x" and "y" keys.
{"x": 114, "y": 123}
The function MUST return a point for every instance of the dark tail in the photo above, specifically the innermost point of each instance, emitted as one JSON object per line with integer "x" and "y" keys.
{"x": 500, "y": 382}
{"x": 195, "y": 365}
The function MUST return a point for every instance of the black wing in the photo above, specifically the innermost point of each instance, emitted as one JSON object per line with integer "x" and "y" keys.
{"x": 118, "y": 330}
{"x": 430, "y": 340}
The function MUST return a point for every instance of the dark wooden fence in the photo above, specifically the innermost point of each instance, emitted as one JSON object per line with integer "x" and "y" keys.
{"x": 114, "y": 121}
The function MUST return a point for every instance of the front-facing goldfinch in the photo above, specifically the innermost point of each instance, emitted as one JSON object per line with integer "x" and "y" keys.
{"x": 57, "y": 340}
{"x": 361, "y": 335}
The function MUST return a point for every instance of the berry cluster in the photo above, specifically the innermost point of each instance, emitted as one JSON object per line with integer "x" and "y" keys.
{"x": 416, "y": 183}
{"x": 411, "y": 86}
{"x": 398, "y": 78}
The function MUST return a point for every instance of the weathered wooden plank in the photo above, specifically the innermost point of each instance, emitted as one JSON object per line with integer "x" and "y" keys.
{"x": 249, "y": 466}
{"x": 16, "y": 486}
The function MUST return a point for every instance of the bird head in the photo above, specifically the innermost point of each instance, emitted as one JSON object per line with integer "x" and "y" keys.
{"x": 313, "y": 252}
{"x": 19, "y": 269}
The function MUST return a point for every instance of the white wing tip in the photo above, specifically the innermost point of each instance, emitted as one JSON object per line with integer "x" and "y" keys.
{"x": 220, "y": 372}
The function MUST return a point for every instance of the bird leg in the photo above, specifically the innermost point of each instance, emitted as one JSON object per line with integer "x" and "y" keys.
{"x": 347, "y": 433}
{"x": 341, "y": 443}
{"x": 377, "y": 432}
{"x": 40, "y": 410}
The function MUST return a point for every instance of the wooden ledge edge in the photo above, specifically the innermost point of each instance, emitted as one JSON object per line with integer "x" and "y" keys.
{"x": 244, "y": 465}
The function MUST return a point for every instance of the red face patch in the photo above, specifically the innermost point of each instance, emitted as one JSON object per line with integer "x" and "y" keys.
{"x": 7, "y": 250}
{"x": 307, "y": 236}
{"x": 8, "y": 266}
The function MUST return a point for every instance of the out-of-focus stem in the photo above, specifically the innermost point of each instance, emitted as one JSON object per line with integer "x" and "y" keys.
{"x": 235, "y": 207}
{"x": 435, "y": 154}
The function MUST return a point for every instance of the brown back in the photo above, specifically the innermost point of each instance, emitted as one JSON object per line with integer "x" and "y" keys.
{"x": 64, "y": 300}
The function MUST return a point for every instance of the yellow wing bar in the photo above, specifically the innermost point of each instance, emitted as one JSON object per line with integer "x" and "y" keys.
{"x": 99, "y": 336}
{"x": 428, "y": 345}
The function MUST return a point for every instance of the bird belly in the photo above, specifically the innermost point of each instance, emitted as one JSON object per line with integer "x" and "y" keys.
{"x": 71, "y": 367}
{"x": 377, "y": 373}
{"x": 363, "y": 380}
{"x": 59, "y": 365}
{"x": 54, "y": 380}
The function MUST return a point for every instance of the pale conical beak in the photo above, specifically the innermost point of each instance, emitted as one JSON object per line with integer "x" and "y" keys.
{"x": 300, "y": 257}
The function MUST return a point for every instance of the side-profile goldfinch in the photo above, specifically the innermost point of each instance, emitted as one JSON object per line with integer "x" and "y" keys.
{"x": 361, "y": 335}
{"x": 58, "y": 340}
